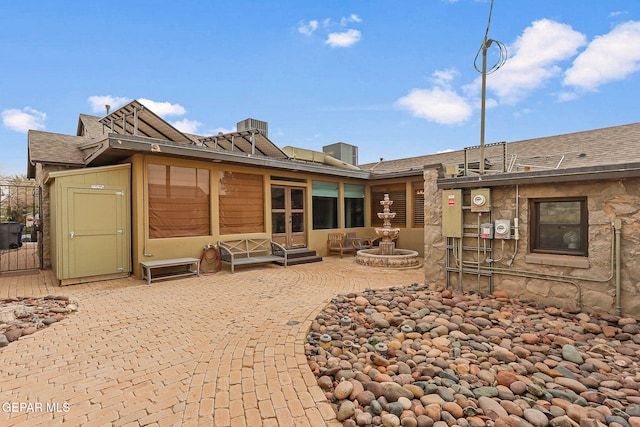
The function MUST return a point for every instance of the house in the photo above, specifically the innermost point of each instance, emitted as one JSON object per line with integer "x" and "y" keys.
{"x": 553, "y": 219}
{"x": 129, "y": 187}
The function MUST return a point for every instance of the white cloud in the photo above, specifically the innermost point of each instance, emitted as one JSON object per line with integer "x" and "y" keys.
{"x": 438, "y": 105}
{"x": 160, "y": 108}
{"x": 615, "y": 14}
{"x": 186, "y": 125}
{"x": 344, "y": 21}
{"x": 610, "y": 57}
{"x": 567, "y": 96}
{"x": 536, "y": 54}
{"x": 444, "y": 77}
{"x": 23, "y": 120}
{"x": 98, "y": 102}
{"x": 340, "y": 38}
{"x": 344, "y": 39}
{"x": 308, "y": 28}
{"x": 163, "y": 108}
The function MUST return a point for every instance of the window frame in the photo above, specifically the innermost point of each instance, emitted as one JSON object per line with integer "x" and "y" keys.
{"x": 325, "y": 196}
{"x": 172, "y": 207}
{"x": 354, "y": 207}
{"x": 535, "y": 245}
{"x": 241, "y": 203}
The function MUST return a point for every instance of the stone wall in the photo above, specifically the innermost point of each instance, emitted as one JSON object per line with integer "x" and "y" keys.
{"x": 563, "y": 281}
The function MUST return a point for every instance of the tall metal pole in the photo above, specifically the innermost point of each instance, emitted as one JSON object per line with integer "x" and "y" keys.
{"x": 485, "y": 46}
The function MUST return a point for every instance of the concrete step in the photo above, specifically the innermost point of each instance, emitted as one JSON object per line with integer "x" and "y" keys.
{"x": 301, "y": 260}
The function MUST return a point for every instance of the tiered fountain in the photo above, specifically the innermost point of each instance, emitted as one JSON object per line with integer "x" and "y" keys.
{"x": 386, "y": 255}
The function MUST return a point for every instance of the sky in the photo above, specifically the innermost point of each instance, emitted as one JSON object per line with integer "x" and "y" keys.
{"x": 396, "y": 78}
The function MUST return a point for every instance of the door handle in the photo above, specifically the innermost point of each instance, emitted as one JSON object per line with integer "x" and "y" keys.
{"x": 71, "y": 234}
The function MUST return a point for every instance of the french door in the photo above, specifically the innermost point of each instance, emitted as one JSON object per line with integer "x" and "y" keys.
{"x": 288, "y": 216}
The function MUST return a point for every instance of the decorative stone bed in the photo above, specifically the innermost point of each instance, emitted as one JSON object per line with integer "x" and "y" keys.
{"x": 24, "y": 316}
{"x": 411, "y": 357}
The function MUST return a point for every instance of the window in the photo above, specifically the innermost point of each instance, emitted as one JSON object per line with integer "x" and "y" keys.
{"x": 324, "y": 196}
{"x": 397, "y": 194}
{"x": 241, "y": 199}
{"x": 179, "y": 203}
{"x": 559, "y": 226}
{"x": 353, "y": 205}
{"x": 418, "y": 204}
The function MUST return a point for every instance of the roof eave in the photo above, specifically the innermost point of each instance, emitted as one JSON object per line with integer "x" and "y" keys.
{"x": 128, "y": 144}
{"x": 398, "y": 174}
{"x": 590, "y": 173}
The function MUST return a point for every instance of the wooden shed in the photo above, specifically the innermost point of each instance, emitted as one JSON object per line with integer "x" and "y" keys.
{"x": 90, "y": 211}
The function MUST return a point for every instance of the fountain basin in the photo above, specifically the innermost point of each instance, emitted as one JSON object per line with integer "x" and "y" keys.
{"x": 401, "y": 258}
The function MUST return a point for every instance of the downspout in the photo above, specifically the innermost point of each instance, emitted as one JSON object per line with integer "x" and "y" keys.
{"x": 617, "y": 224}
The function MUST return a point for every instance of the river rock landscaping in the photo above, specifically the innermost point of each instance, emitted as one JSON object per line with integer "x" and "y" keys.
{"x": 411, "y": 357}
{"x": 24, "y": 316}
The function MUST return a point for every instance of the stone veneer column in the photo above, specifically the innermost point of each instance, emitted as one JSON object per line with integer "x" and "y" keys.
{"x": 434, "y": 250}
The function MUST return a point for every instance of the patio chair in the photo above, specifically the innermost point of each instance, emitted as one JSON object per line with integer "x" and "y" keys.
{"x": 355, "y": 241}
{"x": 336, "y": 242}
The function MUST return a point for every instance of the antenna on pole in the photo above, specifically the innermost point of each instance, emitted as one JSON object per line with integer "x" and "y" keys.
{"x": 486, "y": 44}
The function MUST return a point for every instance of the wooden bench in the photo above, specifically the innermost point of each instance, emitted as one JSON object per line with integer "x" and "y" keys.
{"x": 251, "y": 251}
{"x": 148, "y": 266}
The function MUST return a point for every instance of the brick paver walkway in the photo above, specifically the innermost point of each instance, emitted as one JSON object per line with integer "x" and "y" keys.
{"x": 216, "y": 350}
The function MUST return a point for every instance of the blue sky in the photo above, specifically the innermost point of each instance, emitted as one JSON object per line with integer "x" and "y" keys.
{"x": 395, "y": 78}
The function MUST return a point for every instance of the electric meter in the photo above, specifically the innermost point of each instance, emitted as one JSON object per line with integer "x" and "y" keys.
{"x": 503, "y": 229}
{"x": 480, "y": 201}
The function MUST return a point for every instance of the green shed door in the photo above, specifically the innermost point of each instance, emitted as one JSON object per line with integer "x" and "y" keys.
{"x": 97, "y": 241}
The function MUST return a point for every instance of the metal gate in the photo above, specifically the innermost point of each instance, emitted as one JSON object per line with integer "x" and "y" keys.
{"x": 20, "y": 227}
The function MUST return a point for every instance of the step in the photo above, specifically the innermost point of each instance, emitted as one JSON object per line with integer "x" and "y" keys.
{"x": 300, "y": 253}
{"x": 301, "y": 260}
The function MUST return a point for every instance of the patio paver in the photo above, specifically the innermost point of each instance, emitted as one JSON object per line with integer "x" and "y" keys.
{"x": 219, "y": 350}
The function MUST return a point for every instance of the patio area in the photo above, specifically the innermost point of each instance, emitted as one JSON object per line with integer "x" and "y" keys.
{"x": 219, "y": 349}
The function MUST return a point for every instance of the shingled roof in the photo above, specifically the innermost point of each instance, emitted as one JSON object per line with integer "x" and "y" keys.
{"x": 606, "y": 146}
{"x": 59, "y": 149}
